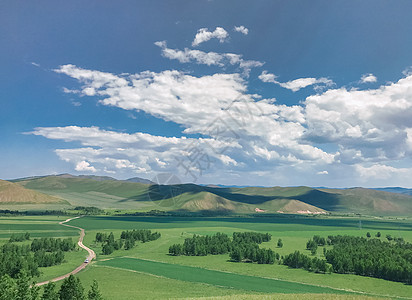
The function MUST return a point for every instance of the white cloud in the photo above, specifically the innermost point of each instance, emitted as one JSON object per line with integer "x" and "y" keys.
{"x": 368, "y": 78}
{"x": 208, "y": 58}
{"x": 204, "y": 35}
{"x": 364, "y": 131}
{"x": 268, "y": 77}
{"x": 369, "y": 125}
{"x": 84, "y": 166}
{"x": 35, "y": 64}
{"x": 380, "y": 171}
{"x": 297, "y": 84}
{"x": 241, "y": 29}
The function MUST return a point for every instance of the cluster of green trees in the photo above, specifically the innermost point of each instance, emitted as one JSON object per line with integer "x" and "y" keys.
{"x": 242, "y": 246}
{"x": 127, "y": 239}
{"x": 299, "y": 260}
{"x": 313, "y": 243}
{"x": 44, "y": 252}
{"x": 22, "y": 288}
{"x": 198, "y": 245}
{"x": 53, "y": 244}
{"x": 144, "y": 235}
{"x": 371, "y": 257}
{"x": 252, "y": 253}
{"x": 251, "y": 237}
{"x": 15, "y": 259}
{"x": 46, "y": 259}
{"x": 19, "y": 237}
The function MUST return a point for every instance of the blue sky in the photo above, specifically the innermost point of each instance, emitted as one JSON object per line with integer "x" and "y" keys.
{"x": 267, "y": 93}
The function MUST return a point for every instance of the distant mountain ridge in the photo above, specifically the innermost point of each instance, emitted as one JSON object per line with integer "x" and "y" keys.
{"x": 94, "y": 177}
{"x": 107, "y": 192}
{"x": 398, "y": 190}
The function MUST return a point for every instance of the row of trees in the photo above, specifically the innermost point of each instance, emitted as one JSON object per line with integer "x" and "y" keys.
{"x": 53, "y": 244}
{"x": 252, "y": 253}
{"x": 19, "y": 237}
{"x": 144, "y": 235}
{"x": 243, "y": 246}
{"x": 127, "y": 239}
{"x": 22, "y": 288}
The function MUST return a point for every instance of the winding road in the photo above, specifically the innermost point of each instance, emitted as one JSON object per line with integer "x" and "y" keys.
{"x": 90, "y": 257}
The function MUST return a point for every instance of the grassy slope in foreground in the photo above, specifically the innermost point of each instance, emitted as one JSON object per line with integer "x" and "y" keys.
{"x": 12, "y": 193}
{"x": 216, "y": 278}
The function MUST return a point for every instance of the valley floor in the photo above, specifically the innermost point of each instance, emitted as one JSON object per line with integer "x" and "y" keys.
{"x": 148, "y": 272}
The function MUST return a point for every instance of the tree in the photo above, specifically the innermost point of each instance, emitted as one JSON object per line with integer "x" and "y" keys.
{"x": 23, "y": 287}
{"x": 71, "y": 289}
{"x": 378, "y": 234}
{"x": 94, "y": 293}
{"x": 49, "y": 292}
{"x": 280, "y": 243}
{"x": 8, "y": 288}
{"x": 368, "y": 234}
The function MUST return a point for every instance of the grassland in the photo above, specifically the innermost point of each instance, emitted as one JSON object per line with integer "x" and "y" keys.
{"x": 148, "y": 272}
{"x": 294, "y": 231}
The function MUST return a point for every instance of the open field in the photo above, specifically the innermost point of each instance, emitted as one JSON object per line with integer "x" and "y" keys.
{"x": 213, "y": 277}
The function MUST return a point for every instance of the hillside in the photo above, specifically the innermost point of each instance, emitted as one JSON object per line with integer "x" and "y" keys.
{"x": 118, "y": 194}
{"x": 12, "y": 193}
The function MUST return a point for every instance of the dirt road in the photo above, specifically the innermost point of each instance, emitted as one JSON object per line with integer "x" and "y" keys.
{"x": 90, "y": 257}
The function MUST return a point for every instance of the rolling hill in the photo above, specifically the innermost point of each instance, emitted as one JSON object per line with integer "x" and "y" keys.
{"x": 14, "y": 194}
{"x": 119, "y": 194}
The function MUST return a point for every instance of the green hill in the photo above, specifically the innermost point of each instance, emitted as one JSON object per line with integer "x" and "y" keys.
{"x": 15, "y": 194}
{"x": 117, "y": 194}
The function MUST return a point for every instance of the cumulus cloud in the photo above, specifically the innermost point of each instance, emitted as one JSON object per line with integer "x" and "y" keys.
{"x": 368, "y": 129}
{"x": 368, "y": 78}
{"x": 370, "y": 125}
{"x": 208, "y": 58}
{"x": 204, "y": 35}
{"x": 297, "y": 84}
{"x": 241, "y": 29}
{"x": 84, "y": 166}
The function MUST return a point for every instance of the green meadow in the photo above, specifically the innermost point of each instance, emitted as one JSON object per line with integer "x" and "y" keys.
{"x": 148, "y": 272}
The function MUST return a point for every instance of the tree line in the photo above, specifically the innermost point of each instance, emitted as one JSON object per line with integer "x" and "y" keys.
{"x": 127, "y": 239}
{"x": 23, "y": 288}
{"x": 19, "y": 237}
{"x": 243, "y": 246}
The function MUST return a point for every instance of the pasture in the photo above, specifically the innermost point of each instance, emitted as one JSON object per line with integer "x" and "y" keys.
{"x": 148, "y": 272}
{"x": 293, "y": 230}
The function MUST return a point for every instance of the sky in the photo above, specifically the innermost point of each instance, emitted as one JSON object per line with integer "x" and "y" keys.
{"x": 266, "y": 93}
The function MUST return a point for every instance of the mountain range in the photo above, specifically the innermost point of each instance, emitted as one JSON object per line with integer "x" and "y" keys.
{"x": 140, "y": 194}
